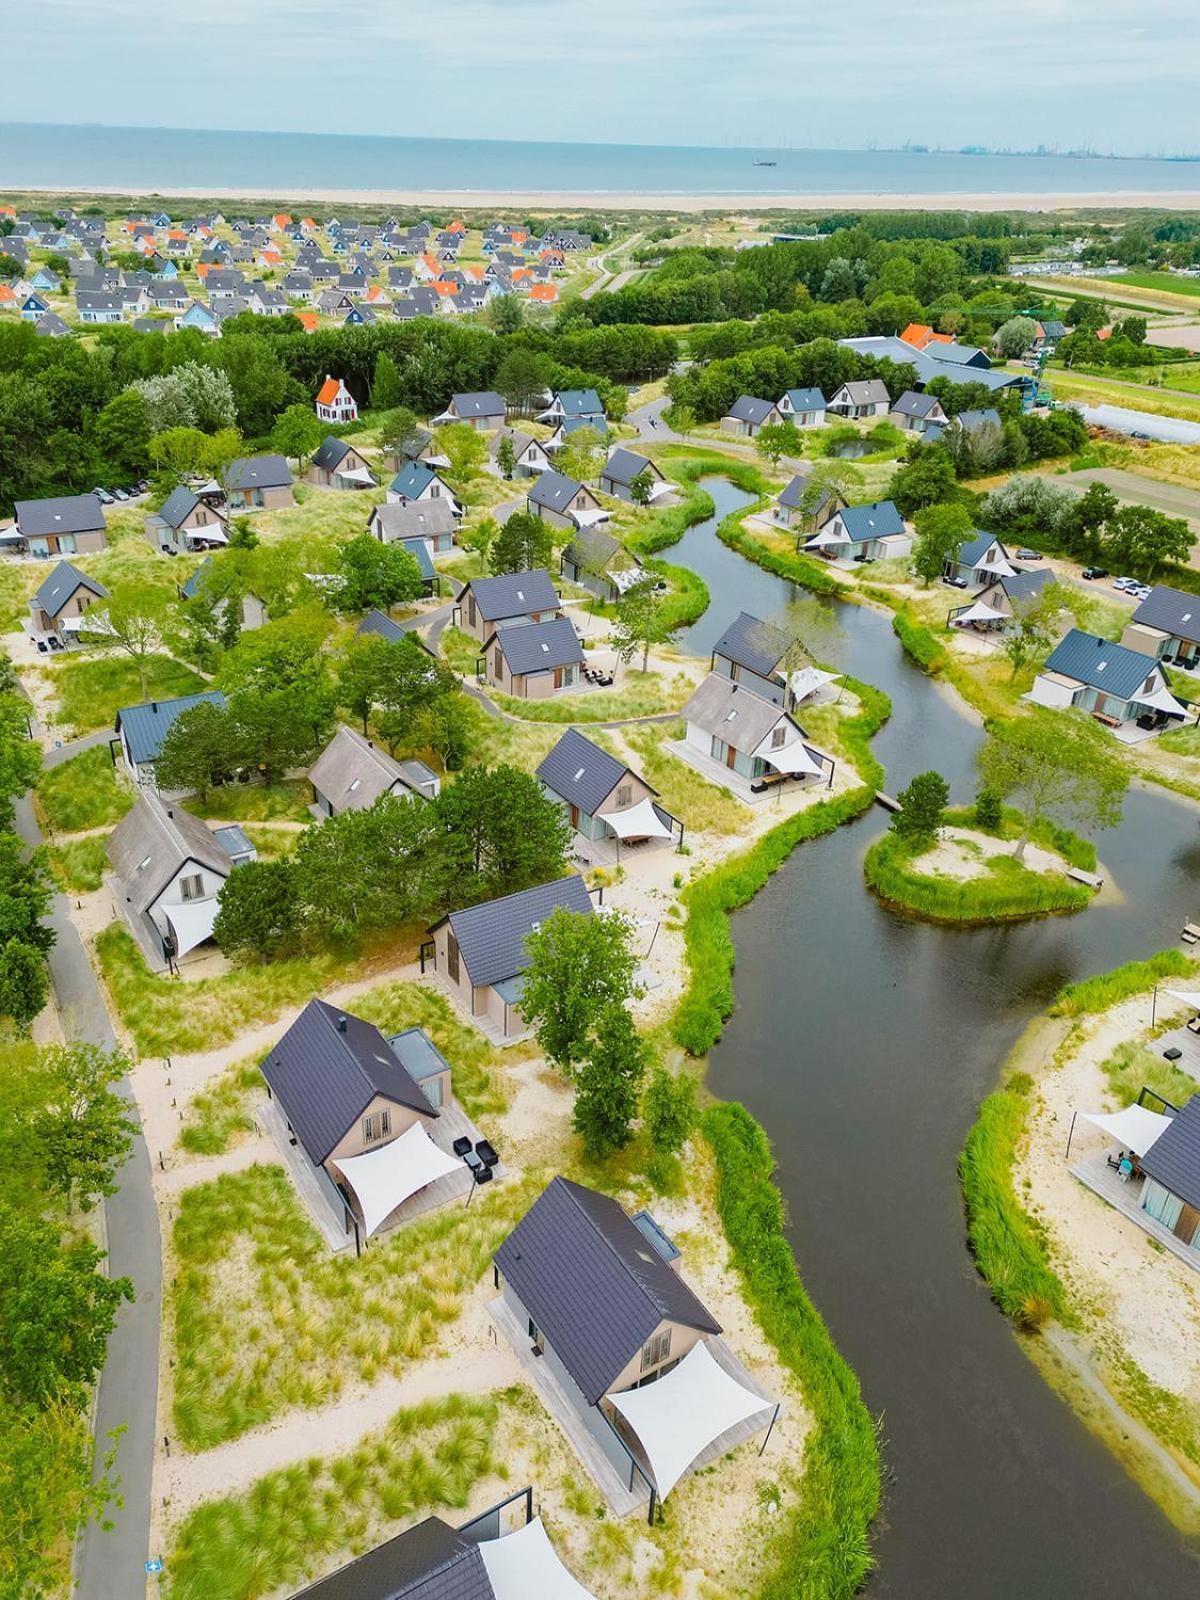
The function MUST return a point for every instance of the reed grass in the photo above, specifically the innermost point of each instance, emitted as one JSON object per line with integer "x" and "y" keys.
{"x": 79, "y": 865}
{"x": 219, "y": 1115}
{"x": 84, "y": 792}
{"x": 1092, "y": 995}
{"x": 1007, "y": 891}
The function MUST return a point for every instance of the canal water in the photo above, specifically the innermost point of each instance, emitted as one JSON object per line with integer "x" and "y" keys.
{"x": 864, "y": 1042}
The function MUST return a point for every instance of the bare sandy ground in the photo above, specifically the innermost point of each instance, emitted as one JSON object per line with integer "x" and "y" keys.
{"x": 725, "y": 204}
{"x": 953, "y": 855}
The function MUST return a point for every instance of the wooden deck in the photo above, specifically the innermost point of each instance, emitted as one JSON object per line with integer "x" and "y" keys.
{"x": 1095, "y": 1174}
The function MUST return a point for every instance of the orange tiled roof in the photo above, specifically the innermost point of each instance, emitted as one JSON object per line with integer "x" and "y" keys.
{"x": 281, "y": 219}
{"x": 430, "y": 263}
{"x": 6, "y": 294}
{"x": 8, "y": 211}
{"x": 543, "y": 291}
{"x": 458, "y": 226}
{"x": 520, "y": 273}
{"x": 203, "y": 268}
{"x": 440, "y": 286}
{"x": 308, "y": 320}
{"x": 328, "y": 391}
{"x": 270, "y": 258}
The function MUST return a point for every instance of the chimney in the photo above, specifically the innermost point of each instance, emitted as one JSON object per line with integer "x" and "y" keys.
{"x": 170, "y": 813}
{"x": 154, "y": 707}
{"x": 341, "y": 1024}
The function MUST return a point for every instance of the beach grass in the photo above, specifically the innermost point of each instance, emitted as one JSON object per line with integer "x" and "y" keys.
{"x": 79, "y": 865}
{"x": 286, "y": 801}
{"x": 1092, "y": 995}
{"x": 682, "y": 790}
{"x": 90, "y": 690}
{"x": 1006, "y": 891}
{"x": 84, "y": 792}
{"x": 220, "y": 1114}
{"x": 1133, "y": 1066}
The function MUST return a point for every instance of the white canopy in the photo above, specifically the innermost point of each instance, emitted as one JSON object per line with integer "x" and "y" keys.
{"x": 657, "y": 489}
{"x": 791, "y": 758}
{"x": 359, "y": 475}
{"x": 639, "y": 822}
{"x": 979, "y": 612}
{"x": 626, "y": 577}
{"x": 1190, "y": 997}
{"x": 191, "y": 922}
{"x": 807, "y": 680}
{"x": 211, "y": 535}
{"x": 383, "y": 1179}
{"x": 681, "y": 1414}
{"x": 589, "y": 519}
{"x": 995, "y": 569}
{"x": 827, "y": 536}
{"x": 1162, "y": 700}
{"x": 523, "y": 1565}
{"x": 1136, "y": 1127}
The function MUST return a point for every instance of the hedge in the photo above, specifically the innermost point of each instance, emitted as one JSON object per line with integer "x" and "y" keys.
{"x": 822, "y": 1551}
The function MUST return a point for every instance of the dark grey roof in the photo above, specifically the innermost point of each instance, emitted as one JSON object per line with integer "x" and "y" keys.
{"x": 749, "y": 642}
{"x": 806, "y": 399}
{"x": 971, "y": 421}
{"x": 413, "y": 479}
{"x": 380, "y": 624}
{"x": 491, "y": 937}
{"x": 1023, "y": 587}
{"x": 178, "y": 505}
{"x": 554, "y": 490}
{"x": 873, "y": 521}
{"x": 580, "y": 403}
{"x": 912, "y": 404}
{"x": 975, "y": 548}
{"x": 330, "y": 453}
{"x": 258, "y": 472}
{"x": 513, "y": 594}
{"x": 62, "y": 584}
{"x": 191, "y": 588}
{"x": 538, "y": 646}
{"x": 428, "y": 1562}
{"x": 748, "y": 408}
{"x": 592, "y": 1284}
{"x": 579, "y": 772}
{"x": 483, "y": 403}
{"x": 1112, "y": 667}
{"x": 1174, "y": 1158}
{"x": 623, "y": 466}
{"x": 234, "y": 840}
{"x": 424, "y": 519}
{"x": 68, "y": 513}
{"x": 146, "y": 726}
{"x": 1171, "y": 610}
{"x": 417, "y": 1054}
{"x": 327, "y": 1069}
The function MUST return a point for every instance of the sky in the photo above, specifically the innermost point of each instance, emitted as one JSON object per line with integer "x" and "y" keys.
{"x": 1110, "y": 75}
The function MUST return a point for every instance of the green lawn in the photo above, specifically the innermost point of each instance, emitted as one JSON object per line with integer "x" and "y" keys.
{"x": 461, "y": 649}
{"x": 84, "y": 792}
{"x": 291, "y": 1524}
{"x": 92, "y": 689}
{"x": 267, "y": 1320}
{"x": 641, "y": 694}
{"x": 1083, "y": 386}
{"x": 1166, "y": 281}
{"x": 79, "y": 866}
{"x": 218, "y": 1115}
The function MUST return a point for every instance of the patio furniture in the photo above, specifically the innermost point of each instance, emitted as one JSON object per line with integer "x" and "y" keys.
{"x": 484, "y": 1175}
{"x": 1190, "y": 934}
{"x": 461, "y": 1146}
{"x": 1193, "y": 1025}
{"x": 486, "y": 1153}
{"x": 1172, "y": 1053}
{"x": 473, "y": 1162}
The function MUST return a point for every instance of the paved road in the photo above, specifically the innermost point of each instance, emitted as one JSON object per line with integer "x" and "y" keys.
{"x": 111, "y": 1565}
{"x": 1170, "y": 498}
{"x": 607, "y": 283}
{"x": 649, "y": 422}
{"x": 1168, "y": 430}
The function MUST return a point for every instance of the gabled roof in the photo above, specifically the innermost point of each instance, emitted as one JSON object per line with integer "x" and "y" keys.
{"x": 382, "y": 626}
{"x": 912, "y": 404}
{"x": 258, "y": 472}
{"x": 1022, "y": 587}
{"x": 578, "y": 771}
{"x": 866, "y": 392}
{"x": 623, "y": 466}
{"x": 748, "y": 408}
{"x": 806, "y": 399}
{"x": 875, "y": 521}
{"x": 327, "y": 1069}
{"x": 146, "y": 726}
{"x": 413, "y": 479}
{"x": 1171, "y": 610}
{"x": 68, "y": 513}
{"x": 538, "y": 646}
{"x": 512, "y": 594}
{"x": 62, "y": 584}
{"x": 178, "y": 506}
{"x": 592, "y": 1284}
{"x": 970, "y": 420}
{"x": 332, "y": 451}
{"x": 975, "y": 548}
{"x": 594, "y": 549}
{"x": 1097, "y": 662}
{"x": 482, "y": 403}
{"x": 428, "y": 1562}
{"x": 734, "y": 713}
{"x": 425, "y": 519}
{"x": 554, "y": 491}
{"x": 491, "y": 937}
{"x": 153, "y": 841}
{"x": 751, "y": 643}
{"x": 352, "y": 774}
{"x": 793, "y": 493}
{"x": 1174, "y": 1158}
{"x": 580, "y": 402}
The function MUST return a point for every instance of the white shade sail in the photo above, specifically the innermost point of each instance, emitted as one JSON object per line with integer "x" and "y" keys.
{"x": 1162, "y": 700}
{"x": 1136, "y": 1127}
{"x": 807, "y": 680}
{"x": 995, "y": 569}
{"x": 791, "y": 758}
{"x": 383, "y": 1179}
{"x": 979, "y": 612}
{"x": 191, "y": 922}
{"x": 1190, "y": 997}
{"x": 523, "y": 1565}
{"x": 677, "y": 1417}
{"x": 589, "y": 519}
{"x": 212, "y": 535}
{"x": 827, "y": 536}
{"x": 359, "y": 475}
{"x": 638, "y": 822}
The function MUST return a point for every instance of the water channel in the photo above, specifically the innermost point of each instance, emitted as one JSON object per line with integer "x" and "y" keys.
{"x": 864, "y": 1042}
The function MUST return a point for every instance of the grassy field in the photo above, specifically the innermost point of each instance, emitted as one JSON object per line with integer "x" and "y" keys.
{"x": 256, "y": 802}
{"x": 290, "y": 1525}
{"x": 1097, "y": 391}
{"x": 266, "y": 1320}
{"x": 1134, "y": 1066}
{"x": 79, "y": 865}
{"x": 1168, "y": 282}
{"x": 1007, "y": 890}
{"x": 84, "y": 792}
{"x": 474, "y": 1065}
{"x": 220, "y": 1114}
{"x": 91, "y": 689}
{"x": 685, "y": 794}
{"x": 641, "y": 694}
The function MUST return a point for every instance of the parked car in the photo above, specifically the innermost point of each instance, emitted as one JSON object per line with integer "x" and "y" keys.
{"x": 1126, "y": 584}
{"x": 1029, "y": 555}
{"x": 955, "y": 583}
{"x": 103, "y": 496}
{"x": 1139, "y": 435}
{"x": 119, "y": 494}
{"x": 1142, "y": 592}
{"x": 1094, "y": 572}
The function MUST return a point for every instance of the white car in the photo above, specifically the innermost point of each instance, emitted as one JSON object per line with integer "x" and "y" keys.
{"x": 1125, "y": 584}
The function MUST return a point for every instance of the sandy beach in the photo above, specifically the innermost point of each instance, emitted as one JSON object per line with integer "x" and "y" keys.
{"x": 724, "y": 204}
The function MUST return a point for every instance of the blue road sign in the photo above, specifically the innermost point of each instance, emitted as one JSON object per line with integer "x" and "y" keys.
{"x": 154, "y": 1565}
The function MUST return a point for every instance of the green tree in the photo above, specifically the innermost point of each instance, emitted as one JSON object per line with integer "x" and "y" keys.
{"x": 989, "y": 812}
{"x": 778, "y": 439}
{"x": 285, "y": 653}
{"x": 274, "y": 730}
{"x": 642, "y": 487}
{"x": 506, "y": 457}
{"x": 396, "y": 430}
{"x": 84, "y": 1130}
{"x": 259, "y": 911}
{"x": 523, "y": 544}
{"x": 465, "y": 450}
{"x": 387, "y": 391}
{"x": 377, "y": 574}
{"x": 926, "y": 478}
{"x": 940, "y": 531}
{"x": 297, "y": 433}
{"x": 26, "y": 891}
{"x": 681, "y": 418}
{"x": 24, "y": 983}
{"x": 642, "y": 621}
{"x": 1145, "y": 540}
{"x": 523, "y": 377}
{"x": 121, "y": 433}
{"x": 669, "y": 1109}
{"x": 134, "y": 621}
{"x": 1056, "y": 765}
{"x": 199, "y": 751}
{"x": 502, "y": 832}
{"x": 1015, "y": 336}
{"x": 480, "y": 537}
{"x": 262, "y": 387}
{"x": 506, "y": 313}
{"x": 1037, "y": 623}
{"x": 582, "y": 454}
{"x": 607, "y": 1085}
{"x": 580, "y": 973}
{"x": 922, "y": 803}
{"x": 179, "y": 451}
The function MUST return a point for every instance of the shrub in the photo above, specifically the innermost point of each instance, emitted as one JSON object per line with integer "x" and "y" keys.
{"x": 988, "y": 810}
{"x": 1135, "y": 977}
{"x": 919, "y": 643}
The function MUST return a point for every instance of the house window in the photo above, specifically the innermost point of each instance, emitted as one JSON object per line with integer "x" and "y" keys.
{"x": 66, "y": 544}
{"x": 376, "y": 1125}
{"x": 192, "y": 888}
{"x": 624, "y": 796}
{"x": 656, "y": 1350}
{"x": 778, "y": 736}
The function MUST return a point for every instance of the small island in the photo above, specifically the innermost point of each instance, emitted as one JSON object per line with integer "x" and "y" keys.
{"x": 976, "y": 864}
